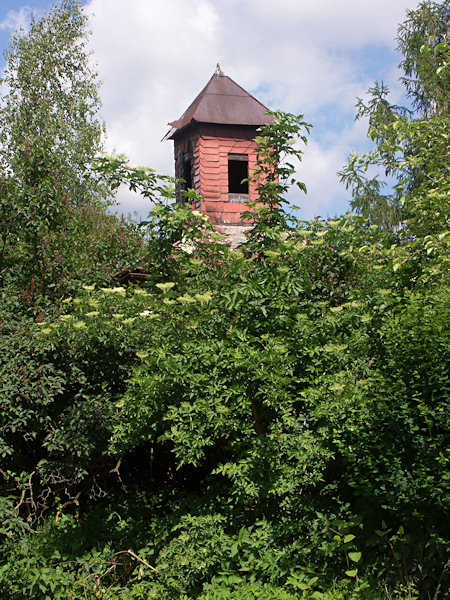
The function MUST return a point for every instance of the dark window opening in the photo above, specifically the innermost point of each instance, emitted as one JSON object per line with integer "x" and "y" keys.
{"x": 184, "y": 174}
{"x": 187, "y": 173}
{"x": 237, "y": 171}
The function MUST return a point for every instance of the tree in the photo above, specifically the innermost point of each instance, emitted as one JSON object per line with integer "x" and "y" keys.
{"x": 401, "y": 136}
{"x": 421, "y": 40}
{"x": 49, "y": 135}
{"x": 50, "y": 108}
{"x": 53, "y": 208}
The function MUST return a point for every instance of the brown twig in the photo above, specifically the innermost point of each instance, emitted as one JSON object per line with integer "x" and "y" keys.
{"x": 136, "y": 557}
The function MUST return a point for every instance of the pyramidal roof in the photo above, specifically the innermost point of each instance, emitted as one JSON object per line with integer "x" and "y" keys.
{"x": 222, "y": 101}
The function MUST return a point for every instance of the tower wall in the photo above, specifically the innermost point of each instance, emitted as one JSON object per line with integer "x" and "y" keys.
{"x": 208, "y": 147}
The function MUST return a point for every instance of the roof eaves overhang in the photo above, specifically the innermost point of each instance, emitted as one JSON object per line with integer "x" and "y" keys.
{"x": 174, "y": 132}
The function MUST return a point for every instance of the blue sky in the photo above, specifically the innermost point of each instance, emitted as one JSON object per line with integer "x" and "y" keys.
{"x": 313, "y": 57}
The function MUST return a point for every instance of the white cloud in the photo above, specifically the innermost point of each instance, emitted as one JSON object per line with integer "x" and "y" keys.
{"x": 205, "y": 20}
{"x": 344, "y": 24}
{"x": 322, "y": 160}
{"x": 16, "y": 19}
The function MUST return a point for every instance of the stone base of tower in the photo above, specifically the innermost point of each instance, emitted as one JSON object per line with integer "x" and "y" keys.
{"x": 234, "y": 234}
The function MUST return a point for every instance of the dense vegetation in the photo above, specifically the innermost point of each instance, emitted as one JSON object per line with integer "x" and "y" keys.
{"x": 266, "y": 422}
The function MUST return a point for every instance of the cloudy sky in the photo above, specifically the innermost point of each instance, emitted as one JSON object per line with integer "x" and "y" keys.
{"x": 313, "y": 57}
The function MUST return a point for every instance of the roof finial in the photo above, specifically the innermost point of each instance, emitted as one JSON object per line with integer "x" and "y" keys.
{"x": 219, "y": 71}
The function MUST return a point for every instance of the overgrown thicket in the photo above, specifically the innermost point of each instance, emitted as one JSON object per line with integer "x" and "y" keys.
{"x": 267, "y": 422}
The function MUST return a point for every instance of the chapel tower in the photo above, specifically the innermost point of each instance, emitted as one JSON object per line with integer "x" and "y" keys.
{"x": 214, "y": 148}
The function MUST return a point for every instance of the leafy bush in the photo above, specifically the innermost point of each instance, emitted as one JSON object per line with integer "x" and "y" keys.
{"x": 267, "y": 422}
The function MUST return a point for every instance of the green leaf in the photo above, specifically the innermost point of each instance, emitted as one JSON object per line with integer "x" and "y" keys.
{"x": 348, "y": 538}
{"x": 355, "y": 556}
{"x": 352, "y": 573}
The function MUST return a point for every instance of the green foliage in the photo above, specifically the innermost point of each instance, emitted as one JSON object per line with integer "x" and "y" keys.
{"x": 49, "y": 112}
{"x": 307, "y": 378}
{"x": 291, "y": 400}
{"x": 267, "y": 422}
{"x": 422, "y": 40}
{"x": 411, "y": 149}
{"x": 171, "y": 229}
{"x": 52, "y": 208}
{"x": 273, "y": 176}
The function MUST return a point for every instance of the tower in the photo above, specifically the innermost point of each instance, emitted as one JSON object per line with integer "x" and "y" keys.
{"x": 214, "y": 147}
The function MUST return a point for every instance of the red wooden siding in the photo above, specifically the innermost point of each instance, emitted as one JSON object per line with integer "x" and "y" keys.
{"x": 211, "y": 145}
